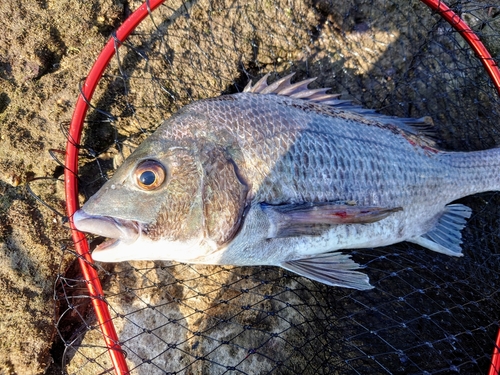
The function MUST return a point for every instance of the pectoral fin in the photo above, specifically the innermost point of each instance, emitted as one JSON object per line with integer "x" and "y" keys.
{"x": 446, "y": 236}
{"x": 334, "y": 269}
{"x": 313, "y": 218}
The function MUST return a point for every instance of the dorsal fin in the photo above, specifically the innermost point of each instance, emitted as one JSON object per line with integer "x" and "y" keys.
{"x": 298, "y": 90}
{"x": 423, "y": 127}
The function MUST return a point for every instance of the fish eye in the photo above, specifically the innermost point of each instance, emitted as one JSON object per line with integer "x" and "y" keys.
{"x": 150, "y": 175}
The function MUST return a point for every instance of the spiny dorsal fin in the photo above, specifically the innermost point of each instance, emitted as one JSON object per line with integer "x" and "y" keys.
{"x": 421, "y": 127}
{"x": 298, "y": 90}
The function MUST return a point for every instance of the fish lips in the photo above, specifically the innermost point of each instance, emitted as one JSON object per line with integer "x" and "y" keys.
{"x": 117, "y": 230}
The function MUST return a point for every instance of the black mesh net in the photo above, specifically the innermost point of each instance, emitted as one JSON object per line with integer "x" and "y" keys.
{"x": 428, "y": 313}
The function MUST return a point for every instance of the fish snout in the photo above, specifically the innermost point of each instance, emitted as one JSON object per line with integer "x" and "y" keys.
{"x": 126, "y": 231}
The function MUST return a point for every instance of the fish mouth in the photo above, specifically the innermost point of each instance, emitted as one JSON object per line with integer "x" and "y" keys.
{"x": 116, "y": 230}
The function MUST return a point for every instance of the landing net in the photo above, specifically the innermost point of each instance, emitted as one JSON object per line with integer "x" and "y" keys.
{"x": 428, "y": 313}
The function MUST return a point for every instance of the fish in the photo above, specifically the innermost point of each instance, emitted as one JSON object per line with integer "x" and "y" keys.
{"x": 284, "y": 175}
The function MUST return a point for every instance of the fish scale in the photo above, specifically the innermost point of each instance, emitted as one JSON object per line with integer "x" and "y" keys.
{"x": 346, "y": 161}
{"x": 287, "y": 176}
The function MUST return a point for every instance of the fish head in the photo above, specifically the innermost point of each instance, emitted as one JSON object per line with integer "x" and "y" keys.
{"x": 175, "y": 198}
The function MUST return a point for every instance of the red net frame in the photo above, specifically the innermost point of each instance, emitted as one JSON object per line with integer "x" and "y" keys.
{"x": 74, "y": 136}
{"x": 71, "y": 182}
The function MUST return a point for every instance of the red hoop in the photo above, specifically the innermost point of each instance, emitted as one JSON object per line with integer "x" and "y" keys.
{"x": 71, "y": 183}
{"x": 74, "y": 137}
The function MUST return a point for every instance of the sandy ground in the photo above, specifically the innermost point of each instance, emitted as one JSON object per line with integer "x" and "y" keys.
{"x": 46, "y": 47}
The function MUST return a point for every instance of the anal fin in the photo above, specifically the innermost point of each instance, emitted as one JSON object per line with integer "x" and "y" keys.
{"x": 446, "y": 236}
{"x": 335, "y": 269}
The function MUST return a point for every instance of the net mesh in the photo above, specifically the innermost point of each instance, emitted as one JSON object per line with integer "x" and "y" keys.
{"x": 428, "y": 313}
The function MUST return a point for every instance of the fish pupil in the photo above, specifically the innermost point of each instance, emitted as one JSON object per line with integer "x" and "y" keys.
{"x": 147, "y": 178}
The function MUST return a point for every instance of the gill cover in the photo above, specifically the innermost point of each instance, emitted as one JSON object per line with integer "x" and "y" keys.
{"x": 224, "y": 194}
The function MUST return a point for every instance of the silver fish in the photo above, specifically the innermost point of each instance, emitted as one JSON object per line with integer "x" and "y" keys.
{"x": 287, "y": 176}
